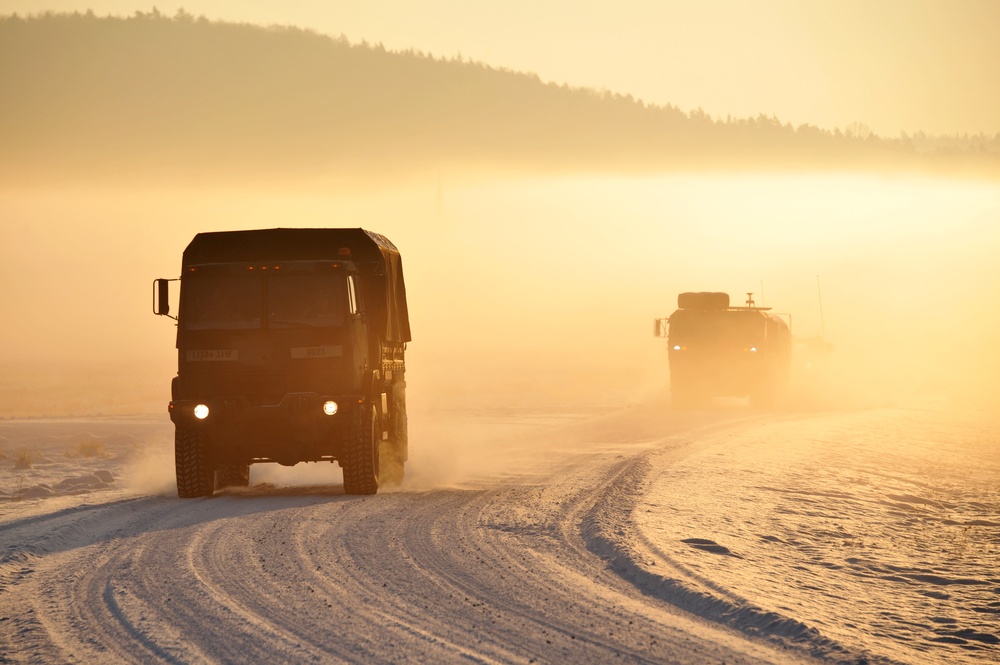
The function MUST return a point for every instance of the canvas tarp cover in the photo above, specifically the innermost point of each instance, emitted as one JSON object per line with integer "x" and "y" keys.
{"x": 376, "y": 256}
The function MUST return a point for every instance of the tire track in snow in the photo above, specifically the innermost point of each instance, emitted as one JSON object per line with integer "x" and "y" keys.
{"x": 377, "y": 575}
{"x": 496, "y": 574}
{"x": 608, "y": 532}
{"x": 65, "y": 554}
{"x": 508, "y": 592}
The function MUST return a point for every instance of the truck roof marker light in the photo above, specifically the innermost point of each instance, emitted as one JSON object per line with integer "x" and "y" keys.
{"x": 344, "y": 252}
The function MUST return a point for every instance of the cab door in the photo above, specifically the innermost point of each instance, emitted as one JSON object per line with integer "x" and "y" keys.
{"x": 361, "y": 364}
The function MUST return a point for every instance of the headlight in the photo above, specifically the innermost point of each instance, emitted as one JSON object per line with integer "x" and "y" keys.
{"x": 329, "y": 407}
{"x": 201, "y": 412}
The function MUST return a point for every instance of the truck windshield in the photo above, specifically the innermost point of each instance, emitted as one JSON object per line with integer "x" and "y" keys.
{"x": 306, "y": 299}
{"x": 716, "y": 328}
{"x": 227, "y": 302}
{"x": 240, "y": 302}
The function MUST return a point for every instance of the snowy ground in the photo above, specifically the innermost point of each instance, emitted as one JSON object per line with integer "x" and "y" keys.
{"x": 548, "y": 536}
{"x": 879, "y": 529}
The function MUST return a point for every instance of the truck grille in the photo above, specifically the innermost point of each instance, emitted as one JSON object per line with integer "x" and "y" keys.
{"x": 258, "y": 388}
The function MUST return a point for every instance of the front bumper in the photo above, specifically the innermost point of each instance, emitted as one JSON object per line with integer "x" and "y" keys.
{"x": 296, "y": 429}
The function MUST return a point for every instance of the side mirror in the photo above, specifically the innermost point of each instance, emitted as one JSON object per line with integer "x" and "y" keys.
{"x": 660, "y": 327}
{"x": 161, "y": 297}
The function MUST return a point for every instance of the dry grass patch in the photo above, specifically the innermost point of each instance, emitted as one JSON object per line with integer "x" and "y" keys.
{"x": 88, "y": 448}
{"x": 23, "y": 459}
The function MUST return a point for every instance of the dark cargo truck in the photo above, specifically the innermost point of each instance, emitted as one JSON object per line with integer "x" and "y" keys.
{"x": 290, "y": 348}
{"x": 720, "y": 351}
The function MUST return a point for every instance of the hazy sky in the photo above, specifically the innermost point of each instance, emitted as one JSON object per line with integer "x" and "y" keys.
{"x": 894, "y": 65}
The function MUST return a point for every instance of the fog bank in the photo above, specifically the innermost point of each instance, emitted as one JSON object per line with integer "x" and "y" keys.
{"x": 530, "y": 289}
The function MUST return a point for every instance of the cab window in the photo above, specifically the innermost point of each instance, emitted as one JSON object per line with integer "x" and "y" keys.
{"x": 352, "y": 301}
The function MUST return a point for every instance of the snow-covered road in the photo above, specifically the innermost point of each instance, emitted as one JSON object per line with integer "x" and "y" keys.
{"x": 569, "y": 552}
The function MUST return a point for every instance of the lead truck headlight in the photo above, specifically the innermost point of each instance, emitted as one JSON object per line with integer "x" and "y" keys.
{"x": 329, "y": 407}
{"x": 201, "y": 412}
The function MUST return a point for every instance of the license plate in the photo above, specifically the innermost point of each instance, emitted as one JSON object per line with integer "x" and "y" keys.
{"x": 318, "y": 352}
{"x": 212, "y": 355}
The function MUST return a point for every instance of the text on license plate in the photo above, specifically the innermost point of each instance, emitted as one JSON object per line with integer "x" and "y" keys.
{"x": 317, "y": 351}
{"x": 212, "y": 354}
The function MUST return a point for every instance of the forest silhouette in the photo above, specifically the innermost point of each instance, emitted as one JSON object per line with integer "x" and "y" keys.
{"x": 150, "y": 96}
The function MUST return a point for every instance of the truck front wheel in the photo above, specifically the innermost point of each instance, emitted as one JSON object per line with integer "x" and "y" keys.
{"x": 361, "y": 458}
{"x": 195, "y": 476}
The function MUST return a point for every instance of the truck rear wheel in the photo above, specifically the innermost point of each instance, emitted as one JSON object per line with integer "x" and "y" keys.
{"x": 392, "y": 470}
{"x": 361, "y": 459}
{"x": 393, "y": 451}
{"x": 232, "y": 475}
{"x": 195, "y": 476}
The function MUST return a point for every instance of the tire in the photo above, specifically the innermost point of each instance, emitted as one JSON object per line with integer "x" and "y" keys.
{"x": 195, "y": 475}
{"x": 361, "y": 457}
{"x": 391, "y": 466}
{"x": 400, "y": 427}
{"x": 393, "y": 451}
{"x": 232, "y": 475}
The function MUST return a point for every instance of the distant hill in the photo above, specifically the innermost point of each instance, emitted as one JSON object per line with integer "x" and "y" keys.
{"x": 83, "y": 96}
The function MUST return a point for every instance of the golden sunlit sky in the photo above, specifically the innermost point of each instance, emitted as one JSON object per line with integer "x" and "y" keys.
{"x": 893, "y": 65}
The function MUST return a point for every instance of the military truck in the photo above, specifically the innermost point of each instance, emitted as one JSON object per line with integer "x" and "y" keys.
{"x": 716, "y": 350}
{"x": 290, "y": 348}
